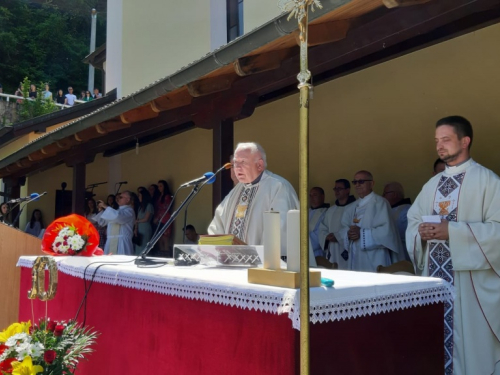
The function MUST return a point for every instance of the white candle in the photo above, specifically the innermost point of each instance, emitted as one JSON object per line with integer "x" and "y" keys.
{"x": 272, "y": 245}
{"x": 293, "y": 241}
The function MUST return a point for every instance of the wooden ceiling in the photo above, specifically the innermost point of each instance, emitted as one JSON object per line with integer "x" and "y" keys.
{"x": 341, "y": 41}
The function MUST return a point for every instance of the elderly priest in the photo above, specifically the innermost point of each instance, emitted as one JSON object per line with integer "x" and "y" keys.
{"x": 462, "y": 247}
{"x": 241, "y": 213}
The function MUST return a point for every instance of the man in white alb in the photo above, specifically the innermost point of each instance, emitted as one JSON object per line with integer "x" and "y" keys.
{"x": 120, "y": 224}
{"x": 329, "y": 229}
{"x": 462, "y": 249}
{"x": 317, "y": 210}
{"x": 241, "y": 213}
{"x": 368, "y": 231}
{"x": 395, "y": 195}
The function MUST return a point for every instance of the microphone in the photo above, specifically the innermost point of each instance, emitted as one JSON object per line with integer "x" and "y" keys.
{"x": 122, "y": 183}
{"x": 31, "y": 197}
{"x": 209, "y": 177}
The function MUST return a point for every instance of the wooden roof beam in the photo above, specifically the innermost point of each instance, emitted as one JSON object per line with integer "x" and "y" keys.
{"x": 263, "y": 62}
{"x": 402, "y": 3}
{"x": 113, "y": 125}
{"x": 213, "y": 112}
{"x": 138, "y": 114}
{"x": 211, "y": 85}
{"x": 327, "y": 32}
{"x": 172, "y": 100}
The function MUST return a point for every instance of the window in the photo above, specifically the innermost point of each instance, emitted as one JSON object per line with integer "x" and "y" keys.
{"x": 234, "y": 19}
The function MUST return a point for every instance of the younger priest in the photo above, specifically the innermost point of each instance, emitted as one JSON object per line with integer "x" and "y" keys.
{"x": 241, "y": 213}
{"x": 462, "y": 249}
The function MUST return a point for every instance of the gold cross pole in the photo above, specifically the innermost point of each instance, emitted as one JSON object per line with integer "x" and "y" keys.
{"x": 299, "y": 9}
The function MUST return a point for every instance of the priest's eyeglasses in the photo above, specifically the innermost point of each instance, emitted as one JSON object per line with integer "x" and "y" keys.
{"x": 338, "y": 189}
{"x": 360, "y": 182}
{"x": 243, "y": 163}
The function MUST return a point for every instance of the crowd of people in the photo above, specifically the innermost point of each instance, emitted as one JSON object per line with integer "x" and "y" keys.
{"x": 59, "y": 97}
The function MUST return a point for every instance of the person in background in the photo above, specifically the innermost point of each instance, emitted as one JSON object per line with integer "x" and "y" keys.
{"x": 154, "y": 193}
{"x": 120, "y": 224}
{"x": 96, "y": 94}
{"x": 111, "y": 201}
{"x": 87, "y": 97}
{"x": 395, "y": 195}
{"x": 60, "y": 97}
{"x": 35, "y": 225}
{"x": 19, "y": 92}
{"x": 82, "y": 95}
{"x": 70, "y": 97}
{"x": 145, "y": 215}
{"x": 439, "y": 166}
{"x": 5, "y": 212}
{"x": 161, "y": 214}
{"x": 47, "y": 95}
{"x": 91, "y": 210}
{"x": 192, "y": 237}
{"x": 32, "y": 92}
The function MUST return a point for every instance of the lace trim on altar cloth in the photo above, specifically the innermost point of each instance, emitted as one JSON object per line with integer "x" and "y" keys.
{"x": 329, "y": 312}
{"x": 270, "y": 300}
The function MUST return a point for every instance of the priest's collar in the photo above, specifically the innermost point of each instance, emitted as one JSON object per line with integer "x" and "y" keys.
{"x": 401, "y": 202}
{"x": 256, "y": 181}
{"x": 365, "y": 200}
{"x": 349, "y": 201}
{"x": 324, "y": 205}
{"x": 452, "y": 170}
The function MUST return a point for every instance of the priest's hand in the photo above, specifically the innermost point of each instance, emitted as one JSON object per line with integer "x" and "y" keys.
{"x": 331, "y": 237}
{"x": 354, "y": 233}
{"x": 434, "y": 231}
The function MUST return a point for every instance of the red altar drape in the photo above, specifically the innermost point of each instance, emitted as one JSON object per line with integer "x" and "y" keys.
{"x": 148, "y": 333}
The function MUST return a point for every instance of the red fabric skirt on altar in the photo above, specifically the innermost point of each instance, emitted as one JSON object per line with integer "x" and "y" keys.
{"x": 149, "y": 333}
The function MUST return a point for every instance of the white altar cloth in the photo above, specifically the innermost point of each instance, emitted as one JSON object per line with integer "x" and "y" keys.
{"x": 354, "y": 294}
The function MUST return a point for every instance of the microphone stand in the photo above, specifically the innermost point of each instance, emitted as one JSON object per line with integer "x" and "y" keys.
{"x": 22, "y": 207}
{"x": 119, "y": 187}
{"x": 141, "y": 260}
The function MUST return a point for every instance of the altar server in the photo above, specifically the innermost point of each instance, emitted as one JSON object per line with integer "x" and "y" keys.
{"x": 463, "y": 249}
{"x": 241, "y": 213}
{"x": 317, "y": 212}
{"x": 368, "y": 231}
{"x": 329, "y": 230}
{"x": 120, "y": 224}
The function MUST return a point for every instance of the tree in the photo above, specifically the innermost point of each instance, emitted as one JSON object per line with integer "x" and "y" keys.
{"x": 46, "y": 42}
{"x": 39, "y": 106}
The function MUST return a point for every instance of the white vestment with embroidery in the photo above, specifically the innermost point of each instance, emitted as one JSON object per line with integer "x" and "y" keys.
{"x": 474, "y": 252}
{"x": 242, "y": 211}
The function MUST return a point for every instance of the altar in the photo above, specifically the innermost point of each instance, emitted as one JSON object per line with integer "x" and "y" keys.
{"x": 207, "y": 320}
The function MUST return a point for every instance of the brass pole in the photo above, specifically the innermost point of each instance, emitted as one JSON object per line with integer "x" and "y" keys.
{"x": 299, "y": 9}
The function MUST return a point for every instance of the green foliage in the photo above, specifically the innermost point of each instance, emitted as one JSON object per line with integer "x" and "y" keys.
{"x": 47, "y": 41}
{"x": 30, "y": 108}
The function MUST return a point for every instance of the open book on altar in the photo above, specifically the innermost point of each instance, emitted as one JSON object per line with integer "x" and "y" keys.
{"x": 220, "y": 239}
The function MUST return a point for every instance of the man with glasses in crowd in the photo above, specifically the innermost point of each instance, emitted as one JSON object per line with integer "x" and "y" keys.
{"x": 368, "y": 232}
{"x": 120, "y": 224}
{"x": 329, "y": 230}
{"x": 241, "y": 213}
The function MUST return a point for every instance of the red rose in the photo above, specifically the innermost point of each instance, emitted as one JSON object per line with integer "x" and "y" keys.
{"x": 59, "y": 330}
{"x": 2, "y": 348}
{"x": 51, "y": 326}
{"x": 71, "y": 252}
{"x": 6, "y": 366}
{"x": 49, "y": 356}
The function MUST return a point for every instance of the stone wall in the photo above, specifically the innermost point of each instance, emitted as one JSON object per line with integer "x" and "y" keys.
{"x": 8, "y": 112}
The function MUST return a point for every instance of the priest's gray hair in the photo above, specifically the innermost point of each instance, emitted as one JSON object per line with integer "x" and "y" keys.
{"x": 254, "y": 148}
{"x": 397, "y": 188}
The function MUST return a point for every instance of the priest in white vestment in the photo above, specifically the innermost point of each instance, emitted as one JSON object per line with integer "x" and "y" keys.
{"x": 329, "y": 230}
{"x": 368, "y": 231}
{"x": 241, "y": 212}
{"x": 395, "y": 195}
{"x": 464, "y": 249}
{"x": 120, "y": 225}
{"x": 317, "y": 210}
